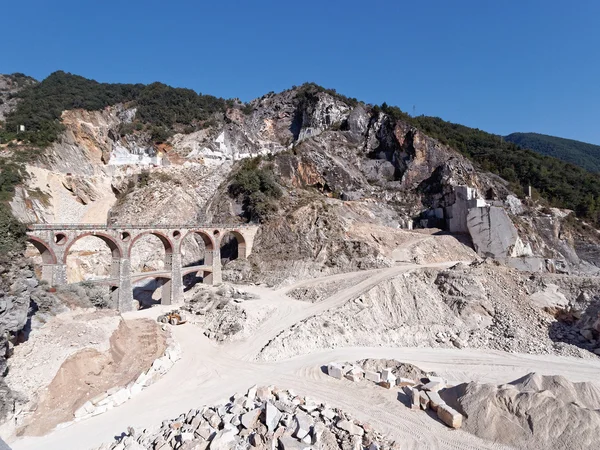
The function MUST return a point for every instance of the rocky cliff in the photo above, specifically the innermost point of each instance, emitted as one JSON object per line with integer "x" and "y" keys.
{"x": 19, "y": 298}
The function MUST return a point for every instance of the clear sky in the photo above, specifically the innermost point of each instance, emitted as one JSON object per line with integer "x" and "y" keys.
{"x": 498, "y": 65}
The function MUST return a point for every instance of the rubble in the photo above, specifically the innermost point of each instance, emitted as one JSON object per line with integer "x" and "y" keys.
{"x": 479, "y": 305}
{"x": 259, "y": 424}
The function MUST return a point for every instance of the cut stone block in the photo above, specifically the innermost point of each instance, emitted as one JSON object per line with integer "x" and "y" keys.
{"x": 373, "y": 376}
{"x": 434, "y": 386}
{"x": 98, "y": 398}
{"x": 355, "y": 374}
{"x": 435, "y": 400}
{"x": 84, "y": 410}
{"x": 424, "y": 400}
{"x": 405, "y": 382}
{"x": 450, "y": 416}
{"x": 335, "y": 371}
{"x": 121, "y": 396}
{"x": 386, "y": 375}
{"x": 416, "y": 399}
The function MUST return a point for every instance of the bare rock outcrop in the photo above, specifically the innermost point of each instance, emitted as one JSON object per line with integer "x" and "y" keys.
{"x": 20, "y": 298}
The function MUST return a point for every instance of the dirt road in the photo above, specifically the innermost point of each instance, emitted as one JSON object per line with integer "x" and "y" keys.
{"x": 210, "y": 373}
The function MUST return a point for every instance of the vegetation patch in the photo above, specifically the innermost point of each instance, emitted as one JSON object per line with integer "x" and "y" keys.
{"x": 255, "y": 185}
{"x": 576, "y": 152}
{"x": 308, "y": 93}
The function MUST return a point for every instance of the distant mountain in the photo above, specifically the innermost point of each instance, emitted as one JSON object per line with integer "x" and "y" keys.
{"x": 575, "y": 152}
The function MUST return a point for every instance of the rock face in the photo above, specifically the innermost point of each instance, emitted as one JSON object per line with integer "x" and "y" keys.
{"x": 9, "y": 86}
{"x": 279, "y": 419}
{"x": 20, "y": 297}
{"x": 494, "y": 234}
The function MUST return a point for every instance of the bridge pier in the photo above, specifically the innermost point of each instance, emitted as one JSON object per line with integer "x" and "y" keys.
{"x": 55, "y": 274}
{"x": 217, "y": 278}
{"x": 176, "y": 279}
{"x": 213, "y": 257}
{"x": 123, "y": 295}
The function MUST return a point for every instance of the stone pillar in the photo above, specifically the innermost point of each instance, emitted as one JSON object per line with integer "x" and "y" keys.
{"x": 176, "y": 279}
{"x": 57, "y": 273}
{"x": 124, "y": 292}
{"x": 242, "y": 250}
{"x": 216, "y": 277}
{"x": 48, "y": 273}
{"x": 166, "y": 297}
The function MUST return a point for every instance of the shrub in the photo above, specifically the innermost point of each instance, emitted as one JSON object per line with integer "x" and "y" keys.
{"x": 257, "y": 189}
{"x": 12, "y": 232}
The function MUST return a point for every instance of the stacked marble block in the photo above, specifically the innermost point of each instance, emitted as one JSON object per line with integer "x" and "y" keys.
{"x": 424, "y": 395}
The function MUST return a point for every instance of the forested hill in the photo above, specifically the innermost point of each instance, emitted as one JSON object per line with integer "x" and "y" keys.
{"x": 575, "y": 152}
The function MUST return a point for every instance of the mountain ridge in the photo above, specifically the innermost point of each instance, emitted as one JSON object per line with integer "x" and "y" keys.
{"x": 579, "y": 153}
{"x": 158, "y": 112}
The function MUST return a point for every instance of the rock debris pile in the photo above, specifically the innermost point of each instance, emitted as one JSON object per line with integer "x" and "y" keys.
{"x": 480, "y": 305}
{"x": 424, "y": 392}
{"x": 221, "y": 313}
{"x": 263, "y": 418}
{"x": 533, "y": 412}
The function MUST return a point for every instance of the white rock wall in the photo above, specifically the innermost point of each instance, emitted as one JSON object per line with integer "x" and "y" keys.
{"x": 493, "y": 233}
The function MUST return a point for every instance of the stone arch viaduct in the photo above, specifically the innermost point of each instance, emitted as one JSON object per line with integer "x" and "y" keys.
{"x": 55, "y": 240}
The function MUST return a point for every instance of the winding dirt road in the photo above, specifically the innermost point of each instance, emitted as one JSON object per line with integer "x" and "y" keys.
{"x": 209, "y": 373}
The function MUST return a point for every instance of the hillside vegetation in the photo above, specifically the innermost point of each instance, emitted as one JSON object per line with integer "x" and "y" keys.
{"x": 159, "y": 107}
{"x": 575, "y": 152}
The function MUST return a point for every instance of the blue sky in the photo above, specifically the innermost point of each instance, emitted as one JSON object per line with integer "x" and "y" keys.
{"x": 501, "y": 66}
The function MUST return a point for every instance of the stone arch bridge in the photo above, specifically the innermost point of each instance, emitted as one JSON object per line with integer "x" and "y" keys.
{"x": 55, "y": 240}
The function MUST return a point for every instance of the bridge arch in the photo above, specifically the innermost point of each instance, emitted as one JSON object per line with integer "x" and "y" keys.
{"x": 166, "y": 241}
{"x": 233, "y": 245}
{"x": 48, "y": 255}
{"x": 209, "y": 243}
{"x": 209, "y": 247}
{"x": 151, "y": 290}
{"x": 113, "y": 245}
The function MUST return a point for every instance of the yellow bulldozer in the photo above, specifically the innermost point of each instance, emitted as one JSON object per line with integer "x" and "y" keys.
{"x": 175, "y": 317}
